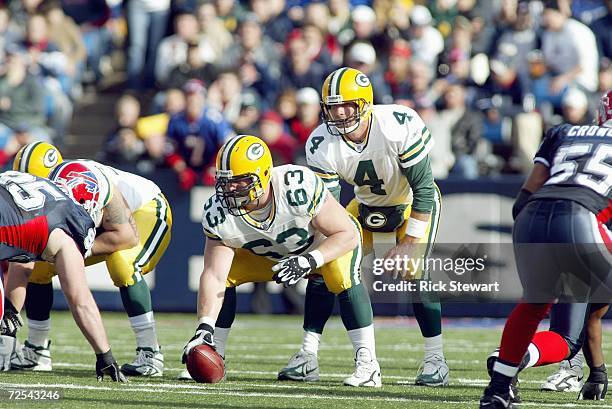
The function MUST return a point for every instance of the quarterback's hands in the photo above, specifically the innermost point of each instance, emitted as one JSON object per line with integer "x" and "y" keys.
{"x": 290, "y": 270}
{"x": 408, "y": 260}
{"x": 8, "y": 344}
{"x": 12, "y": 320}
{"x": 106, "y": 365}
{"x": 203, "y": 336}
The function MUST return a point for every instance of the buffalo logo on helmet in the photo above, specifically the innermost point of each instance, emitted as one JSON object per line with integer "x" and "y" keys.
{"x": 86, "y": 178}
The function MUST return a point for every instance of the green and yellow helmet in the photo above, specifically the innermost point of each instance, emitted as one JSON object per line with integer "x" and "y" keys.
{"x": 37, "y": 158}
{"x": 346, "y": 85}
{"x": 244, "y": 169}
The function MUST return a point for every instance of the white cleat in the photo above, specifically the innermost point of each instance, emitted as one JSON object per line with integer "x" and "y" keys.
{"x": 184, "y": 376}
{"x": 303, "y": 366}
{"x": 33, "y": 357}
{"x": 567, "y": 379}
{"x": 433, "y": 372}
{"x": 147, "y": 363}
{"x": 367, "y": 371}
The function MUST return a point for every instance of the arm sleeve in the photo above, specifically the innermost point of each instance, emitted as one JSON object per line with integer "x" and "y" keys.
{"x": 546, "y": 151}
{"x": 421, "y": 181}
{"x": 319, "y": 164}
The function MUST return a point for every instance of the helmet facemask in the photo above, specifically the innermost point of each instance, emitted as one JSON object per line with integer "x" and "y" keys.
{"x": 347, "y": 125}
{"x": 237, "y": 192}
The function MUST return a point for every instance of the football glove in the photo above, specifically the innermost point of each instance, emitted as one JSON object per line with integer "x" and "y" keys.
{"x": 8, "y": 344}
{"x": 106, "y": 365}
{"x": 203, "y": 336}
{"x": 290, "y": 270}
{"x": 12, "y": 320}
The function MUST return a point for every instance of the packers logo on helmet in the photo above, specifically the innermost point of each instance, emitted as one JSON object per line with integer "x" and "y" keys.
{"x": 346, "y": 86}
{"x": 244, "y": 168}
{"x": 37, "y": 158}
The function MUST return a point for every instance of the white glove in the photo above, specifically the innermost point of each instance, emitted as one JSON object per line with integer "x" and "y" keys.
{"x": 290, "y": 270}
{"x": 8, "y": 346}
{"x": 203, "y": 336}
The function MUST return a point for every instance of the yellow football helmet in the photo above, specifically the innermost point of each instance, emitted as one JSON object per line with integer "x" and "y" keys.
{"x": 346, "y": 85}
{"x": 244, "y": 169}
{"x": 37, "y": 158}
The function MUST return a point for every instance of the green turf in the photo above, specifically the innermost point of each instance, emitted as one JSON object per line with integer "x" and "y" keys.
{"x": 258, "y": 347}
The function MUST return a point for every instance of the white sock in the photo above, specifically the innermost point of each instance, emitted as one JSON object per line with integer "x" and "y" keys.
{"x": 38, "y": 332}
{"x": 363, "y": 338}
{"x": 577, "y": 361}
{"x": 144, "y": 328}
{"x": 434, "y": 346}
{"x": 221, "y": 335}
{"x": 311, "y": 342}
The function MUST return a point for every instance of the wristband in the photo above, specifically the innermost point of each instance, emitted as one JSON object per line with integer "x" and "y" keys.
{"x": 318, "y": 256}
{"x": 416, "y": 228}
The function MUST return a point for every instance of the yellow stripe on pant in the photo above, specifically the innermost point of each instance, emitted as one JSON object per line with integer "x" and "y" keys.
{"x": 339, "y": 274}
{"x": 154, "y": 224}
{"x": 430, "y": 234}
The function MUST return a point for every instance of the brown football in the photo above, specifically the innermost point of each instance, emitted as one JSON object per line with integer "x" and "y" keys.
{"x": 205, "y": 365}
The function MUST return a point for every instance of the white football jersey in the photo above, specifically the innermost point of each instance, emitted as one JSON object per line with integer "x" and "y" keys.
{"x": 136, "y": 190}
{"x": 299, "y": 195}
{"x": 397, "y": 139}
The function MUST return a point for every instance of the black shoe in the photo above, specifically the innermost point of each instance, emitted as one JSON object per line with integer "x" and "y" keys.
{"x": 491, "y": 400}
{"x": 515, "y": 397}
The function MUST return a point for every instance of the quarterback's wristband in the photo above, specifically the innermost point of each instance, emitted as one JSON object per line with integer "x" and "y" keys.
{"x": 416, "y": 228}
{"x": 318, "y": 256}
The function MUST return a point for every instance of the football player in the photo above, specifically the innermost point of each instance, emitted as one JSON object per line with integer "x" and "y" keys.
{"x": 566, "y": 201}
{"x": 269, "y": 223}
{"x": 382, "y": 150}
{"x": 38, "y": 221}
{"x": 135, "y": 231}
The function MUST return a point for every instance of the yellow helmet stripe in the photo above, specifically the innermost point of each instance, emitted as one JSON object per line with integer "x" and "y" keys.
{"x": 228, "y": 151}
{"x": 24, "y": 164}
{"x": 334, "y": 83}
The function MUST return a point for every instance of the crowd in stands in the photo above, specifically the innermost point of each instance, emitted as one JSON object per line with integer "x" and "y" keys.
{"x": 487, "y": 76}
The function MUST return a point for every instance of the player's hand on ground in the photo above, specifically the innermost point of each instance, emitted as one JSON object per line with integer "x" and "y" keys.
{"x": 203, "y": 336}
{"x": 12, "y": 320}
{"x": 106, "y": 365}
{"x": 290, "y": 270}
{"x": 7, "y": 348}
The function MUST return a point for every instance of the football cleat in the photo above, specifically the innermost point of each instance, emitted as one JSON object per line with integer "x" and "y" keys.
{"x": 566, "y": 379}
{"x": 184, "y": 375}
{"x": 491, "y": 400}
{"x": 433, "y": 372}
{"x": 33, "y": 357}
{"x": 367, "y": 371}
{"x": 303, "y": 366}
{"x": 514, "y": 391}
{"x": 147, "y": 363}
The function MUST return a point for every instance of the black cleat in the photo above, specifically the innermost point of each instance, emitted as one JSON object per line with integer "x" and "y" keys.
{"x": 491, "y": 400}
{"x": 515, "y": 397}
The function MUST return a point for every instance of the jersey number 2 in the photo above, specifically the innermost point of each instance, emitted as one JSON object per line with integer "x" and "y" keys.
{"x": 365, "y": 175}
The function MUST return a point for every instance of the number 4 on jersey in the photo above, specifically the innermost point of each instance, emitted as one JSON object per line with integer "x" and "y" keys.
{"x": 365, "y": 169}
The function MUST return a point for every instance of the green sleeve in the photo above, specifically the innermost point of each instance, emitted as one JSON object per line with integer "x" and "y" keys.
{"x": 421, "y": 181}
{"x": 335, "y": 191}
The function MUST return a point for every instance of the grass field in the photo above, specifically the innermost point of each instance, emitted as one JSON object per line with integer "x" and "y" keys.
{"x": 259, "y": 346}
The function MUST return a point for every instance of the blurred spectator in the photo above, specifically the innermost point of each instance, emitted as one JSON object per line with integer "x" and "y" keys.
{"x": 340, "y": 16}
{"x": 21, "y": 104}
{"x": 317, "y": 49}
{"x": 91, "y": 16}
{"x": 225, "y": 95}
{"x": 122, "y": 145}
{"x": 253, "y": 44}
{"x": 605, "y": 78}
{"x": 21, "y": 12}
{"x": 519, "y": 36}
{"x": 504, "y": 82}
{"x": 212, "y": 29}
{"x": 466, "y": 131}
{"x": 442, "y": 157}
{"x": 194, "y": 66}
{"x": 602, "y": 28}
{"x": 362, "y": 56}
{"x": 570, "y": 55}
{"x": 286, "y": 105}
{"x": 273, "y": 17}
{"x": 299, "y": 70}
{"x": 426, "y": 41}
{"x": 258, "y": 77}
{"x": 575, "y": 108}
{"x": 172, "y": 50}
{"x": 281, "y": 144}
{"x": 307, "y": 115}
{"x": 195, "y": 135}
{"x": 363, "y": 29}
{"x": 422, "y": 92}
{"x": 147, "y": 21}
{"x": 230, "y": 12}
{"x": 483, "y": 34}
{"x": 65, "y": 34}
{"x": 444, "y": 13}
{"x": 8, "y": 35}
{"x": 397, "y": 75}
{"x": 250, "y": 111}
{"x": 323, "y": 45}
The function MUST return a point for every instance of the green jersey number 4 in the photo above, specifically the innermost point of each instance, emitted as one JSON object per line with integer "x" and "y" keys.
{"x": 366, "y": 176}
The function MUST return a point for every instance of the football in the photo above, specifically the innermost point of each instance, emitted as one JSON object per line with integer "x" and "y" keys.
{"x": 205, "y": 365}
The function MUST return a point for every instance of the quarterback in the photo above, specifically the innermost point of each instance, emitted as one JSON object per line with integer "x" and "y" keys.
{"x": 382, "y": 150}
{"x": 269, "y": 223}
{"x": 134, "y": 223}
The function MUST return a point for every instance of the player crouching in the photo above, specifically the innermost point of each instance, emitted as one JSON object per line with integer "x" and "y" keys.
{"x": 280, "y": 224}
